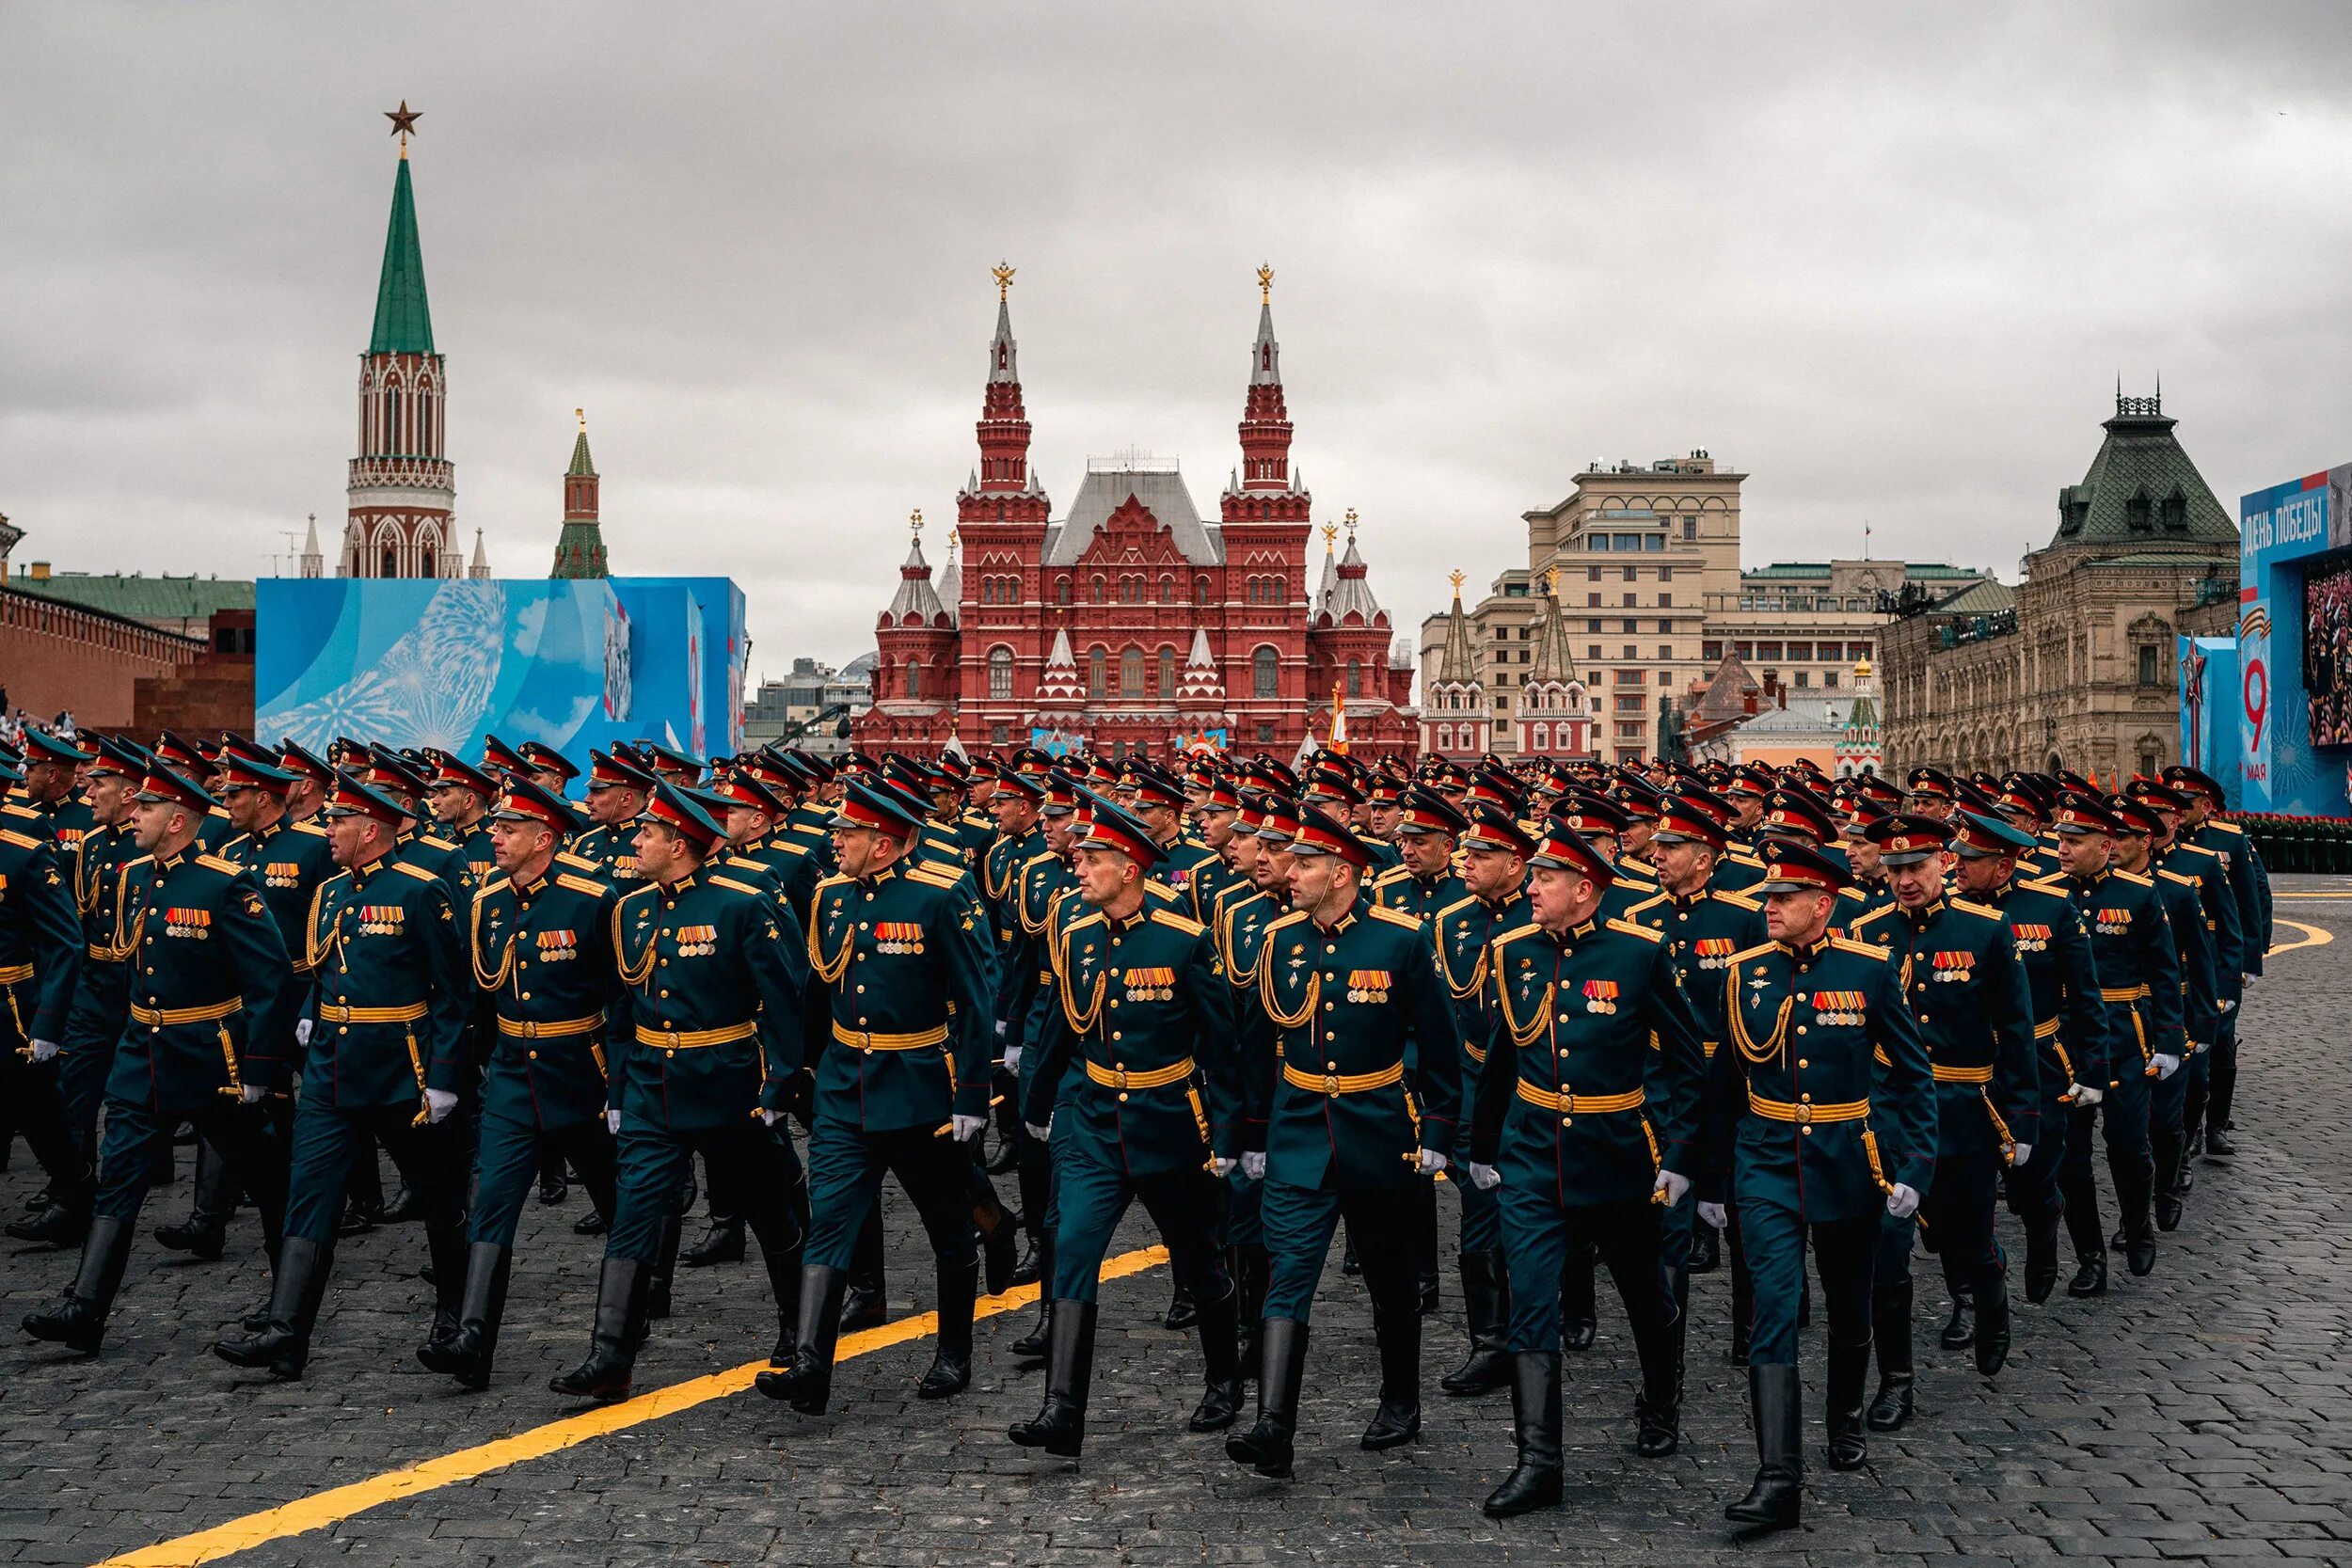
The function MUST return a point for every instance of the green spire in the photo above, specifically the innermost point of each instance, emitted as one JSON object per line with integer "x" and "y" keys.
{"x": 582, "y": 468}
{"x": 403, "y": 322}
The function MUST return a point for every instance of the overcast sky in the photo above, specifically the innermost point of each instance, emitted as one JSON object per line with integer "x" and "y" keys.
{"x": 1888, "y": 261}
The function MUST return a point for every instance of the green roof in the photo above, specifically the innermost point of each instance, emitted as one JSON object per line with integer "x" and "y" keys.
{"x": 581, "y": 466}
{"x": 1795, "y": 569}
{"x": 403, "y": 322}
{"x": 2141, "y": 488}
{"x": 1983, "y": 597}
{"x": 142, "y": 598}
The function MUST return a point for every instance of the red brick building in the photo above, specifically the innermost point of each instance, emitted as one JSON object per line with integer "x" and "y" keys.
{"x": 1132, "y": 622}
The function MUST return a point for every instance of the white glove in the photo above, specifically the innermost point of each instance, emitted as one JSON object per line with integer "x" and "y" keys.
{"x": 1902, "y": 1202}
{"x": 2019, "y": 1152}
{"x": 2225, "y": 1003}
{"x": 2083, "y": 1094}
{"x": 249, "y": 1094}
{"x": 2249, "y": 979}
{"x": 1013, "y": 1060}
{"x": 769, "y": 1118}
{"x": 612, "y": 1121}
{"x": 302, "y": 1032}
{"x": 1485, "y": 1178}
{"x": 1042, "y": 1135}
{"x": 966, "y": 1128}
{"x": 1714, "y": 1215}
{"x": 1431, "y": 1162}
{"x": 1673, "y": 1185}
{"x": 44, "y": 1050}
{"x": 1253, "y": 1165}
{"x": 1221, "y": 1167}
{"x": 1000, "y": 1028}
{"x": 2196, "y": 1048}
{"x": 2163, "y": 1067}
{"x": 438, "y": 1104}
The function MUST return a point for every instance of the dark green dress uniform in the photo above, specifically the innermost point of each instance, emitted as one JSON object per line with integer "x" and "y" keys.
{"x": 2188, "y": 911}
{"x": 101, "y": 993}
{"x": 1244, "y": 915}
{"x": 1974, "y": 1008}
{"x": 40, "y": 967}
{"x": 1465, "y": 931}
{"x": 2250, "y": 886}
{"x": 2139, "y": 979}
{"x": 1593, "y": 1081}
{"x": 1420, "y": 896}
{"x": 612, "y": 846}
{"x": 208, "y": 974}
{"x": 1197, "y": 874}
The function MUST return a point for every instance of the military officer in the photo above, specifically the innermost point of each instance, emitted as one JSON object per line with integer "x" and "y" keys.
{"x": 549, "y": 769}
{"x": 1355, "y": 988}
{"x": 461, "y": 798}
{"x": 2206, "y": 1118}
{"x": 52, "y": 787}
{"x": 1013, "y": 799}
{"x": 1190, "y": 867}
{"x": 617, "y": 792}
{"x": 1038, "y": 890}
{"x": 2185, "y": 912}
{"x": 2139, "y": 979}
{"x": 1494, "y": 855}
{"x": 208, "y": 974}
{"x": 2218, "y": 910}
{"x": 1587, "y": 1109}
{"x": 899, "y": 1024}
{"x": 1808, "y": 1013}
{"x": 101, "y": 994}
{"x": 715, "y": 976}
{"x": 1427, "y": 832}
{"x": 1961, "y": 978}
{"x": 40, "y": 966}
{"x": 539, "y": 943}
{"x": 1143, "y": 1012}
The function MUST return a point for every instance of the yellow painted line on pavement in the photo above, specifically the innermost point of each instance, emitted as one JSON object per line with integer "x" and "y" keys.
{"x": 2313, "y": 936}
{"x": 336, "y": 1504}
{"x": 2300, "y": 898}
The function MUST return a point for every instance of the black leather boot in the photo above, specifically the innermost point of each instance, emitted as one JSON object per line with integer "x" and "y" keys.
{"x": 1220, "y": 1363}
{"x": 592, "y": 1222}
{"x": 2165, "y": 1195}
{"x": 211, "y": 1201}
{"x": 662, "y": 1273}
{"x": 451, "y": 1266}
{"x": 404, "y": 1208}
{"x": 1577, "y": 1323}
{"x": 467, "y": 1354}
{"x": 1423, "y": 1211}
{"x": 1890, "y": 1332}
{"x": 64, "y": 1220}
{"x": 2134, "y": 1196}
{"x": 864, "y": 1304}
{"x": 807, "y": 1383}
{"x": 1658, "y": 1409}
{"x": 1992, "y": 1321}
{"x": 284, "y": 1349}
{"x": 1030, "y": 1269}
{"x": 1255, "y": 1269}
{"x": 2090, "y": 1275}
{"x": 1000, "y": 1239}
{"x": 1706, "y": 1248}
{"x": 1776, "y": 1498}
{"x": 1959, "y": 1329}
{"x": 2041, "y": 1257}
{"x": 1848, "y": 1370}
{"x": 1485, "y": 1303}
{"x": 1535, "y": 1481}
{"x": 1038, "y": 1343}
{"x": 1060, "y": 1426}
{"x": 2218, "y": 1144}
{"x": 722, "y": 1244}
{"x": 1282, "y": 1362}
{"x": 620, "y": 1327}
{"x": 78, "y": 1321}
{"x": 554, "y": 1185}
{"x": 950, "y": 1371}
{"x": 1398, "y": 1419}
{"x": 784, "y": 1283}
{"x": 1182, "y": 1311}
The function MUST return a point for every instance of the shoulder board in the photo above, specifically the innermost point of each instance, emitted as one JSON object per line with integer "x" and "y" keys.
{"x": 1654, "y": 898}
{"x": 1092, "y": 917}
{"x": 1516, "y": 932}
{"x": 2175, "y": 877}
{"x": 1867, "y": 950}
{"x": 1971, "y": 907}
{"x": 800, "y": 851}
{"x": 12, "y": 808}
{"x": 1396, "y": 917}
{"x": 582, "y": 884}
{"x": 1291, "y": 919}
{"x": 1632, "y": 929}
{"x": 23, "y": 841}
{"x": 1472, "y": 899}
{"x": 143, "y": 859}
{"x": 215, "y": 863}
{"x": 1175, "y": 922}
{"x": 837, "y": 879}
{"x": 642, "y": 890}
{"x": 436, "y": 840}
{"x": 499, "y": 885}
{"x": 929, "y": 877}
{"x": 307, "y": 828}
{"x": 1390, "y": 875}
{"x": 1880, "y": 913}
{"x": 1041, "y": 855}
{"x": 1737, "y": 899}
{"x": 2047, "y": 885}
{"x": 2225, "y": 827}
{"x": 2135, "y": 879}
{"x": 417, "y": 871}
{"x": 1744, "y": 857}
{"x": 735, "y": 886}
{"x": 1158, "y": 889}
{"x": 1752, "y": 951}
{"x": 578, "y": 862}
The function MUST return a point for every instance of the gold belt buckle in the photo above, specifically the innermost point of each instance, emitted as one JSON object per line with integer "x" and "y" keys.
{"x": 1804, "y": 1115}
{"x": 1331, "y": 1085}
{"x": 1120, "y": 1078}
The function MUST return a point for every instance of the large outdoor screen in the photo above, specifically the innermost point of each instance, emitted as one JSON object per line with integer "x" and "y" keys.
{"x": 2328, "y": 653}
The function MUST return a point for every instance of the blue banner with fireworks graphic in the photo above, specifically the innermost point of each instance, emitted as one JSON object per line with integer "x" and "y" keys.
{"x": 572, "y": 664}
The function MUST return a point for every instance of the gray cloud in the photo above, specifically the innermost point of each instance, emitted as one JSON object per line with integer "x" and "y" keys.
{"x": 1886, "y": 260}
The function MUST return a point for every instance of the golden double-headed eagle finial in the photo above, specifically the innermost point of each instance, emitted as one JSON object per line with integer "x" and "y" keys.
{"x": 1003, "y": 275}
{"x": 1551, "y": 581}
{"x": 1265, "y": 284}
{"x": 914, "y": 519}
{"x": 1455, "y": 576}
{"x": 1330, "y": 536}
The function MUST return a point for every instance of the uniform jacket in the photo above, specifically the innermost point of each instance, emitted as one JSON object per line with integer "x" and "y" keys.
{"x": 390, "y": 998}
{"x": 543, "y": 958}
{"x": 102, "y": 993}
{"x": 2201, "y": 1015}
{"x": 2139, "y": 964}
{"x": 208, "y": 978}
{"x": 2071, "y": 1024}
{"x": 41, "y": 938}
{"x": 1958, "y": 962}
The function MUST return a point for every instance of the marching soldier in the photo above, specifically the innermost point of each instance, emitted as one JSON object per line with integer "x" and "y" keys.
{"x": 715, "y": 983}
{"x": 208, "y": 975}
{"x": 2185, "y": 914}
{"x": 461, "y": 798}
{"x": 2217, "y": 912}
{"x": 899, "y": 1032}
{"x": 1807, "y": 1013}
{"x": 617, "y": 792}
{"x": 1038, "y": 892}
{"x": 539, "y": 942}
{"x": 1587, "y": 1111}
{"x": 386, "y": 1040}
{"x": 1354, "y": 988}
{"x": 2206, "y": 1118}
{"x": 1960, "y": 975}
{"x": 1142, "y": 1012}
{"x": 40, "y": 965}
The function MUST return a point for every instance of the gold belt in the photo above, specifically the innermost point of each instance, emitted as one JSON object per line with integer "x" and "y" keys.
{"x": 2135, "y": 994}
{"x": 1576, "y": 1104}
{"x": 680, "y": 1039}
{"x": 527, "y": 1029}
{"x": 409, "y": 1014}
{"x": 1804, "y": 1115}
{"x": 1963, "y": 1074}
{"x": 863, "y": 1040}
{"x": 16, "y": 974}
{"x": 209, "y": 1013}
{"x": 1158, "y": 1078}
{"x": 1342, "y": 1082}
{"x": 2045, "y": 1029}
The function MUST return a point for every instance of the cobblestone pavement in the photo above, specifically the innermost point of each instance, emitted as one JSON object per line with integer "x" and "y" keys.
{"x": 2203, "y": 1413}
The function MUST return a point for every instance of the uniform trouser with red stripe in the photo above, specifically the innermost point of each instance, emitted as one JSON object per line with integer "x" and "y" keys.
{"x": 240, "y": 1134}
{"x": 509, "y": 1155}
{"x": 1538, "y": 1234}
{"x": 1842, "y": 1251}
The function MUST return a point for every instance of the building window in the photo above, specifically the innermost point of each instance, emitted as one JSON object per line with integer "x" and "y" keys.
{"x": 1539, "y": 737}
{"x": 1712, "y": 652}
{"x": 1355, "y": 678}
{"x": 1690, "y": 530}
{"x": 1098, "y": 671}
{"x": 1769, "y": 651}
{"x": 2136, "y": 512}
{"x": 1265, "y": 674}
{"x": 1665, "y": 678}
{"x": 1061, "y": 588}
{"x": 1665, "y": 650}
{"x": 1596, "y": 542}
{"x": 1265, "y": 732}
{"x": 1665, "y": 574}
{"x": 391, "y": 564}
{"x": 1665, "y": 601}
{"x": 1131, "y": 590}
{"x": 1000, "y": 735}
{"x": 1200, "y": 588}
{"x": 1445, "y": 737}
{"x": 915, "y": 677}
{"x": 1592, "y": 574}
{"x": 1592, "y": 601}
{"x": 1131, "y": 671}
{"x": 1167, "y": 590}
{"x": 1829, "y": 679}
{"x": 2151, "y": 758}
{"x": 1805, "y": 679}
{"x": 1000, "y": 673}
{"x": 1592, "y": 651}
{"x": 1098, "y": 590}
{"x": 1591, "y": 625}
{"x": 1800, "y": 652}
{"x": 2147, "y": 667}
{"x": 1630, "y": 650}
{"x": 1167, "y": 675}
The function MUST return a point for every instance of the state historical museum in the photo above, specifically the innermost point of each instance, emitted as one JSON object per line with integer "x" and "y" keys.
{"x": 1130, "y": 623}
